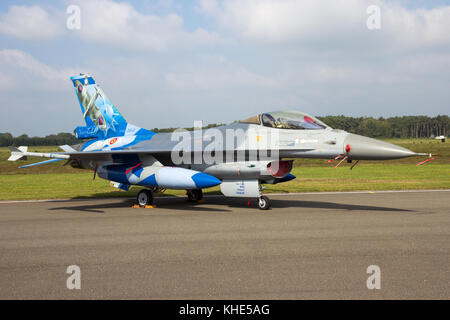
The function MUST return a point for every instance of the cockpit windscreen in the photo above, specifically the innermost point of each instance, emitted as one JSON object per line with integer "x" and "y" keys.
{"x": 291, "y": 120}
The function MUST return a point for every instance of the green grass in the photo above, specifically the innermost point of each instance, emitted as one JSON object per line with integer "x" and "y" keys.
{"x": 56, "y": 181}
{"x": 367, "y": 177}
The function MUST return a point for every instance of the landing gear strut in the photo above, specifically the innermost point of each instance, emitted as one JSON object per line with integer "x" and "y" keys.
{"x": 263, "y": 203}
{"x": 145, "y": 198}
{"x": 195, "y": 195}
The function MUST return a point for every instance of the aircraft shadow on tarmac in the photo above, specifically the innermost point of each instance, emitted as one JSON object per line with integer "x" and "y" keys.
{"x": 173, "y": 204}
{"x": 280, "y": 204}
{"x": 181, "y": 204}
{"x": 94, "y": 208}
{"x": 331, "y": 205}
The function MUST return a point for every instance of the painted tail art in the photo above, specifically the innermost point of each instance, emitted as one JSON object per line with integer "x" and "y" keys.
{"x": 102, "y": 118}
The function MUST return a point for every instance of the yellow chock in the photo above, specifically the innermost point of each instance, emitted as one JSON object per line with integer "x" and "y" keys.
{"x": 146, "y": 207}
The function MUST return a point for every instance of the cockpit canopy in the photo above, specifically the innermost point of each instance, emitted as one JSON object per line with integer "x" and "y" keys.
{"x": 287, "y": 120}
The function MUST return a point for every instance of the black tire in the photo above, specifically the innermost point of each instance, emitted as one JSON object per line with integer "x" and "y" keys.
{"x": 198, "y": 194}
{"x": 145, "y": 198}
{"x": 195, "y": 195}
{"x": 264, "y": 203}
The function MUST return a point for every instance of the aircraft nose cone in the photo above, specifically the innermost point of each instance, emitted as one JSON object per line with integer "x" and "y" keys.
{"x": 204, "y": 180}
{"x": 364, "y": 148}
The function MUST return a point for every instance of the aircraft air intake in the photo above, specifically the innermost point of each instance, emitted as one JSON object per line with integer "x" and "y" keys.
{"x": 279, "y": 169}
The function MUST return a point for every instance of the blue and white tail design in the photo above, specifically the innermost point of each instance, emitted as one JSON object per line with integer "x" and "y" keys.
{"x": 102, "y": 118}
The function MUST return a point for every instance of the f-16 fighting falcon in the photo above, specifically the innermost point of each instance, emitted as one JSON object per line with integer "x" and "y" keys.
{"x": 239, "y": 157}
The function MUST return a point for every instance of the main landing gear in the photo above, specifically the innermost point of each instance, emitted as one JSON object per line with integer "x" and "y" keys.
{"x": 195, "y": 195}
{"x": 145, "y": 198}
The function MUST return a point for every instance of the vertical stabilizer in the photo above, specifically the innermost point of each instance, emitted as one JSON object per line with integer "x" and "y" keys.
{"x": 102, "y": 118}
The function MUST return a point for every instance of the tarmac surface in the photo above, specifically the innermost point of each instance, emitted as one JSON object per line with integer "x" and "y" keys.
{"x": 308, "y": 246}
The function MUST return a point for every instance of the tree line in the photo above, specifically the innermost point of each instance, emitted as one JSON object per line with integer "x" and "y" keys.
{"x": 393, "y": 127}
{"x": 7, "y": 139}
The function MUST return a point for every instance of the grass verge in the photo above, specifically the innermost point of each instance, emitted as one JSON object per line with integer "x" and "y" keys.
{"x": 309, "y": 179}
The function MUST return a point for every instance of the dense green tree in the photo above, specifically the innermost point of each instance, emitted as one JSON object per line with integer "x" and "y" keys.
{"x": 6, "y": 139}
{"x": 394, "y": 127}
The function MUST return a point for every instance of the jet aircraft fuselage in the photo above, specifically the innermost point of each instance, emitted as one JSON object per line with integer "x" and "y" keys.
{"x": 239, "y": 157}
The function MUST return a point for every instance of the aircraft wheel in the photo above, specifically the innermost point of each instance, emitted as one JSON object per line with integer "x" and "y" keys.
{"x": 145, "y": 198}
{"x": 264, "y": 203}
{"x": 195, "y": 195}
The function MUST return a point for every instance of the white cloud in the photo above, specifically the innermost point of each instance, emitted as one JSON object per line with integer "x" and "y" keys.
{"x": 121, "y": 25}
{"x": 285, "y": 19}
{"x": 22, "y": 70}
{"x": 418, "y": 28}
{"x": 109, "y": 22}
{"x": 30, "y": 23}
{"x": 35, "y": 97}
{"x": 329, "y": 21}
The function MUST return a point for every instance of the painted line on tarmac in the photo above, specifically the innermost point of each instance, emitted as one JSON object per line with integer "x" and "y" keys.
{"x": 216, "y": 196}
{"x": 356, "y": 192}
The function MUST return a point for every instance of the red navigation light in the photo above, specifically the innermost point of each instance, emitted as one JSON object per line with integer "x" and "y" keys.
{"x": 347, "y": 148}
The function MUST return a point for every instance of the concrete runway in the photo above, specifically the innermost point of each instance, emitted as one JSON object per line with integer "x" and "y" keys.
{"x": 311, "y": 246}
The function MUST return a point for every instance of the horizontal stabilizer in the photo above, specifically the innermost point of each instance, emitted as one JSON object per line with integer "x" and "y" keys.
{"x": 18, "y": 153}
{"x": 67, "y": 148}
{"x": 40, "y": 163}
{"x": 22, "y": 153}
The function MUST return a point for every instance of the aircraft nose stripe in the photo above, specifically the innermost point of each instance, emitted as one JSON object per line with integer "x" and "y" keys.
{"x": 203, "y": 180}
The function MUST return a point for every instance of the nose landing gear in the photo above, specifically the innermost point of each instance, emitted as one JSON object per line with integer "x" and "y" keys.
{"x": 263, "y": 203}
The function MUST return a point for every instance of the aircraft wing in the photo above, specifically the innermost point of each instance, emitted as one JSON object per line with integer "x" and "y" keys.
{"x": 22, "y": 153}
{"x": 124, "y": 156}
{"x": 114, "y": 154}
{"x": 100, "y": 155}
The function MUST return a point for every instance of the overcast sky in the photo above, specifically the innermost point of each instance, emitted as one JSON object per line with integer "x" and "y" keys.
{"x": 168, "y": 63}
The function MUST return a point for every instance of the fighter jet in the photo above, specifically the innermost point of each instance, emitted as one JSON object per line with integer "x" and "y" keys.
{"x": 240, "y": 157}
